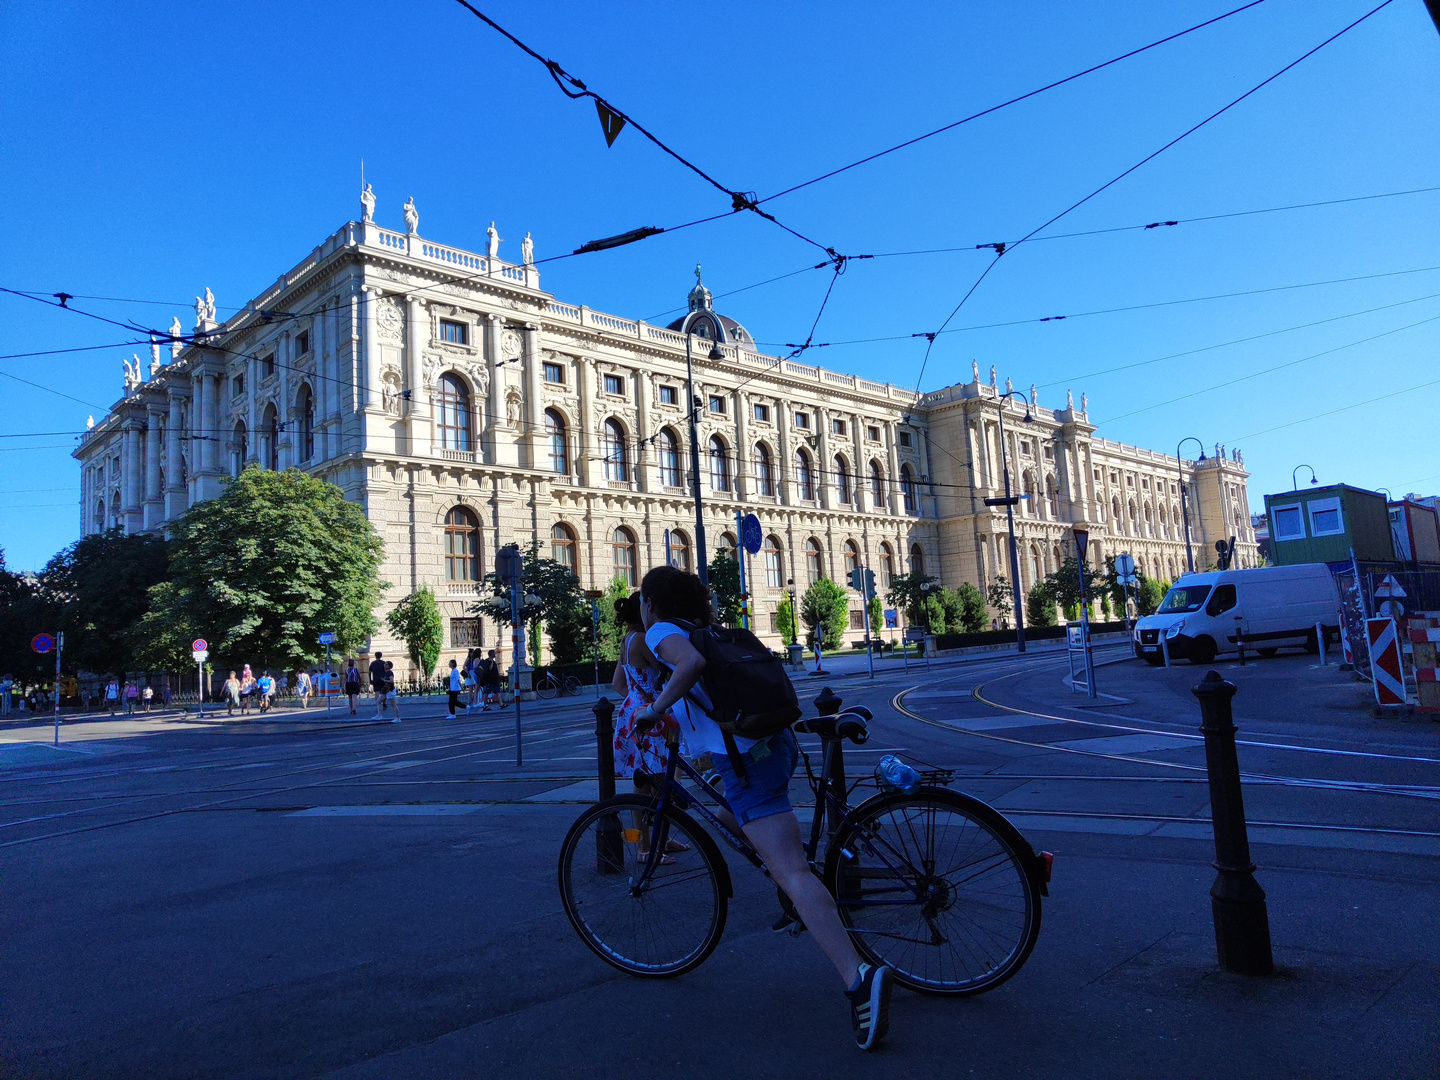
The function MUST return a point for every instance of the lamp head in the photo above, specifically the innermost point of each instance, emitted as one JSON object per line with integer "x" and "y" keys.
{"x": 715, "y": 353}
{"x": 1202, "y": 453}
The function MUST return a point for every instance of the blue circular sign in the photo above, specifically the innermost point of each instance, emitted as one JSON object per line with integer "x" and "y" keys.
{"x": 751, "y": 534}
{"x": 42, "y": 643}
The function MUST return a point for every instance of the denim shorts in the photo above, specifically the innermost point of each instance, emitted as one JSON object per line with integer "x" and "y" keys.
{"x": 768, "y": 790}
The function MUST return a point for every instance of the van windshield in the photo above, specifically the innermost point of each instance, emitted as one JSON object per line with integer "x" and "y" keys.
{"x": 1183, "y": 598}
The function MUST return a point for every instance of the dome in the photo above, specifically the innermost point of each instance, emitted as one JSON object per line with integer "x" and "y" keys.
{"x": 701, "y": 300}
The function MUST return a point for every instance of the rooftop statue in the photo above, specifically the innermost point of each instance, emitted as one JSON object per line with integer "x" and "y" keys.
{"x": 412, "y": 216}
{"x": 527, "y": 251}
{"x": 367, "y": 204}
{"x": 492, "y": 242}
{"x": 175, "y": 343}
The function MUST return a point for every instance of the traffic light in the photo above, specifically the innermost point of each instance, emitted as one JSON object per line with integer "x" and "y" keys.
{"x": 509, "y": 564}
{"x": 869, "y": 584}
{"x": 857, "y": 580}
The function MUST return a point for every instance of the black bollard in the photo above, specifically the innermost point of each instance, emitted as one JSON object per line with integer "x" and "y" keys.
{"x": 1237, "y": 902}
{"x": 609, "y": 836}
{"x": 827, "y": 704}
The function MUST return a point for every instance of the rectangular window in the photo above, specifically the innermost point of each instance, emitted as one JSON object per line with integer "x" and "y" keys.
{"x": 466, "y": 633}
{"x": 857, "y": 620}
{"x": 267, "y": 366}
{"x": 1289, "y": 522}
{"x": 873, "y": 434}
{"x": 904, "y": 438}
{"x": 615, "y": 384}
{"x": 237, "y": 386}
{"x": 1025, "y": 448}
{"x": 762, "y": 413}
{"x": 554, "y": 373}
{"x": 456, "y": 333}
{"x": 1325, "y": 519}
{"x": 717, "y": 404}
{"x": 1049, "y": 452}
{"x": 1129, "y": 481}
{"x": 302, "y": 343}
{"x": 774, "y": 622}
{"x": 802, "y": 420}
{"x": 669, "y": 395}
{"x": 837, "y": 426}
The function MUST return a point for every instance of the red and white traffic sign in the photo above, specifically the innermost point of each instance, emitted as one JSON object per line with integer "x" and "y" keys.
{"x": 199, "y": 645}
{"x": 42, "y": 643}
{"x": 1385, "y": 669}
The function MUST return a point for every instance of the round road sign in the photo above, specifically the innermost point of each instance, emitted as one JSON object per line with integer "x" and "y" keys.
{"x": 42, "y": 643}
{"x": 750, "y": 534}
{"x": 199, "y": 645}
{"x": 1124, "y": 564}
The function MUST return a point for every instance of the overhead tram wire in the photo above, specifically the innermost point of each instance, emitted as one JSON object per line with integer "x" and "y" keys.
{"x": 1001, "y": 249}
{"x": 1012, "y": 101}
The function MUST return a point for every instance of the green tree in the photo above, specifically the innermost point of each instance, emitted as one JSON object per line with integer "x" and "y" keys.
{"x": 416, "y": 621}
{"x": 877, "y": 616}
{"x": 99, "y": 588}
{"x": 785, "y": 619}
{"x": 907, "y": 591}
{"x": 1148, "y": 594}
{"x": 972, "y": 609}
{"x": 562, "y": 609}
{"x": 952, "y": 611}
{"x": 999, "y": 597}
{"x": 825, "y": 604}
{"x": 725, "y": 587}
{"x": 23, "y": 614}
{"x": 264, "y": 569}
{"x": 1040, "y": 605}
{"x": 1064, "y": 584}
{"x": 1111, "y": 584}
{"x": 612, "y": 632}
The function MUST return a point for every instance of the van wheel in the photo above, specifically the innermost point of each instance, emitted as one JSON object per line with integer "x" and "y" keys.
{"x": 1311, "y": 644}
{"x": 1266, "y": 652}
{"x": 1202, "y": 651}
{"x": 1154, "y": 661}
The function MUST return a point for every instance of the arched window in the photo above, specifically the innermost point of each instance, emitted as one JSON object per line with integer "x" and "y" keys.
{"x": 462, "y": 545}
{"x": 1149, "y": 521}
{"x": 307, "y": 423}
{"x": 556, "y": 440}
{"x": 612, "y": 440}
{"x": 852, "y": 558}
{"x": 100, "y": 516}
{"x": 877, "y": 485}
{"x": 814, "y": 560}
{"x": 842, "y": 481}
{"x": 669, "y": 449}
{"x": 887, "y": 566}
{"x": 679, "y": 550}
{"x": 562, "y": 547}
{"x": 774, "y": 565}
{"x": 116, "y": 515}
{"x": 719, "y": 465}
{"x": 240, "y": 445}
{"x": 764, "y": 474}
{"x": 917, "y": 559}
{"x": 1115, "y": 511}
{"x": 272, "y": 438}
{"x": 622, "y": 543}
{"x": 804, "y": 478}
{"x": 1037, "y": 572}
{"x": 452, "y": 413}
{"x": 1052, "y": 498}
{"x": 907, "y": 488}
{"x": 1027, "y": 487}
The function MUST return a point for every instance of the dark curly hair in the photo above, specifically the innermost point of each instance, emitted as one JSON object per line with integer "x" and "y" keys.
{"x": 675, "y": 594}
{"x": 627, "y": 611}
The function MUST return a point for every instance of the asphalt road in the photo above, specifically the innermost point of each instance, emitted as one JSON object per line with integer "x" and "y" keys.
{"x": 378, "y": 900}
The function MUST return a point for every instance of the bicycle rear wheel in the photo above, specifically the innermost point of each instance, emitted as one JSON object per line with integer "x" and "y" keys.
{"x": 570, "y": 686}
{"x": 940, "y": 887}
{"x": 671, "y": 925}
{"x": 547, "y": 687}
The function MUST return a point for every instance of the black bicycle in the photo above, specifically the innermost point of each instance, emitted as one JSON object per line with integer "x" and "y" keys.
{"x": 934, "y": 883}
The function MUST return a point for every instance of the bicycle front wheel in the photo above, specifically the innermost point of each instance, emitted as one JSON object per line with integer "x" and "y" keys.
{"x": 665, "y": 928}
{"x": 547, "y": 688}
{"x": 938, "y": 886}
{"x": 571, "y": 686}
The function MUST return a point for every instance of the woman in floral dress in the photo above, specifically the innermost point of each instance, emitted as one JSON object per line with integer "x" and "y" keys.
{"x": 638, "y": 756}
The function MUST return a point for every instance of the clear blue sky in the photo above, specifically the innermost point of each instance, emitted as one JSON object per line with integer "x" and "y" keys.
{"x": 154, "y": 149}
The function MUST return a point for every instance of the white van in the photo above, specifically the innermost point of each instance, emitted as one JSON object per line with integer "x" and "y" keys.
{"x": 1270, "y": 606}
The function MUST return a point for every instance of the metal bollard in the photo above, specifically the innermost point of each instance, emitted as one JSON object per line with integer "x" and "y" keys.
{"x": 827, "y": 704}
{"x": 610, "y": 836}
{"x": 1237, "y": 902}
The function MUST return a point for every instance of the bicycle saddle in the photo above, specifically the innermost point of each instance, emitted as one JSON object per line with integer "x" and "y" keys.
{"x": 850, "y": 724}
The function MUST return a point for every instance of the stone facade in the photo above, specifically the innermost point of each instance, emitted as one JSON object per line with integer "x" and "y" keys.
{"x": 465, "y": 408}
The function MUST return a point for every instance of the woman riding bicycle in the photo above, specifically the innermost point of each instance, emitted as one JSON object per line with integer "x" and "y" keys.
{"x": 761, "y": 801}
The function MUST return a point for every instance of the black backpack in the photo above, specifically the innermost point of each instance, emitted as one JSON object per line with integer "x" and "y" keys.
{"x": 750, "y": 694}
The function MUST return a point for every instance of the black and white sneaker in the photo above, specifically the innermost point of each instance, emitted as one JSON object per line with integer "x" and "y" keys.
{"x": 870, "y": 1006}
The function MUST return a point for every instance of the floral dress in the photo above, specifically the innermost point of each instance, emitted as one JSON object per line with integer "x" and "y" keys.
{"x": 643, "y": 752}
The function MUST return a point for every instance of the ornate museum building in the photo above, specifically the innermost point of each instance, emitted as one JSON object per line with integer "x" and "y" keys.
{"x": 465, "y": 408}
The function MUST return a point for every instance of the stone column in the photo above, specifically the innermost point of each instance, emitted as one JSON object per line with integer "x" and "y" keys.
{"x": 644, "y": 452}
{"x": 252, "y": 409}
{"x": 154, "y": 509}
{"x": 530, "y": 405}
{"x": 860, "y": 463}
{"x": 741, "y": 485}
{"x": 894, "y": 499}
{"x": 505, "y": 450}
{"x": 587, "y": 434}
{"x": 825, "y": 467}
{"x": 370, "y": 398}
{"x": 132, "y": 478}
{"x": 417, "y": 333}
{"x": 174, "y": 494}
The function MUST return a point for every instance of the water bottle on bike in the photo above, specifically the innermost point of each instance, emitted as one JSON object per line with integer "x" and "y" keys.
{"x": 892, "y": 774}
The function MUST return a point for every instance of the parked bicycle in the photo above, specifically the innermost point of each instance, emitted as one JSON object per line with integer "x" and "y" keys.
{"x": 551, "y": 686}
{"x": 932, "y": 882}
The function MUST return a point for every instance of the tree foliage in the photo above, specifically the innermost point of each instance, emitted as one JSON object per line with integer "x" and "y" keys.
{"x": 907, "y": 592}
{"x": 825, "y": 604}
{"x": 264, "y": 569}
{"x": 612, "y": 630}
{"x": 725, "y": 587}
{"x": 1040, "y": 605}
{"x": 23, "y": 614}
{"x": 972, "y": 611}
{"x": 1000, "y": 595}
{"x": 877, "y": 616}
{"x": 1064, "y": 584}
{"x": 562, "y": 609}
{"x": 1149, "y": 592}
{"x": 785, "y": 619}
{"x": 416, "y": 621}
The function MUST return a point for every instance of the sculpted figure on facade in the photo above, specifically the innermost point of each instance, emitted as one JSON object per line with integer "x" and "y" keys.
{"x": 430, "y": 370}
{"x": 412, "y": 216}
{"x": 175, "y": 343}
{"x": 367, "y": 204}
{"x": 527, "y": 251}
{"x": 390, "y": 391}
{"x": 1084, "y": 403}
{"x": 199, "y": 313}
{"x": 154, "y": 356}
{"x": 510, "y": 344}
{"x": 975, "y": 371}
{"x": 1034, "y": 396}
{"x": 1070, "y": 400}
{"x": 209, "y": 304}
{"x": 512, "y": 408}
{"x": 994, "y": 374}
{"x": 480, "y": 376}
{"x": 132, "y": 374}
{"x": 492, "y": 242}
{"x": 1009, "y": 387}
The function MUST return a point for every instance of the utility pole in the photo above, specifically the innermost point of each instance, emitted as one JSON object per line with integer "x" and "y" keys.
{"x": 717, "y": 338}
{"x": 1009, "y": 502}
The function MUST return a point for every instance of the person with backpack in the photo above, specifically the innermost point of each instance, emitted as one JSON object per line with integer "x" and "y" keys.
{"x": 265, "y": 689}
{"x": 490, "y": 683}
{"x": 352, "y": 685}
{"x": 390, "y": 699}
{"x": 720, "y": 676}
{"x": 377, "y": 683}
{"x": 303, "y": 688}
{"x": 112, "y": 696}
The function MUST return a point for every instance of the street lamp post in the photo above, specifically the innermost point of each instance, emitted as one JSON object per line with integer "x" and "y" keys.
{"x": 1294, "y": 483}
{"x": 1009, "y": 502}
{"x": 1184, "y": 502}
{"x": 717, "y": 335}
{"x": 1082, "y": 542}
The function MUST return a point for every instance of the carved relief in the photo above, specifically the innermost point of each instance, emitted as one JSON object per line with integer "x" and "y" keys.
{"x": 512, "y": 407}
{"x": 480, "y": 376}
{"x": 510, "y": 344}
{"x": 390, "y": 391}
{"x": 388, "y": 319}
{"x": 430, "y": 370}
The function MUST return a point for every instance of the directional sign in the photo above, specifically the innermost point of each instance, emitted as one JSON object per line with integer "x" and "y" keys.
{"x": 42, "y": 643}
{"x": 327, "y": 638}
{"x": 751, "y": 534}
{"x": 199, "y": 645}
{"x": 1385, "y": 661}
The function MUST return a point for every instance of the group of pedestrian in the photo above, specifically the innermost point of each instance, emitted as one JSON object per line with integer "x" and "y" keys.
{"x": 382, "y": 684}
{"x": 476, "y": 685}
